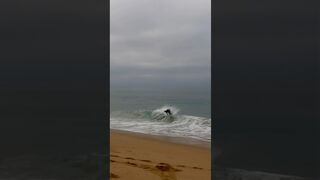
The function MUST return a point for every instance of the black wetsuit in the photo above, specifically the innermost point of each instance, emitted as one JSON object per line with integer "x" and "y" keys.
{"x": 168, "y": 112}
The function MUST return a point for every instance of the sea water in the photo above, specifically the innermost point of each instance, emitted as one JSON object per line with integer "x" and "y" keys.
{"x": 142, "y": 110}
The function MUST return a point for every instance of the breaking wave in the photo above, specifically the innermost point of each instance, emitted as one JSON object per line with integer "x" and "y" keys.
{"x": 157, "y": 122}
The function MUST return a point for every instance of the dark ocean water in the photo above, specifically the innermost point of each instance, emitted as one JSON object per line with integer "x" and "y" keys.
{"x": 194, "y": 102}
{"x": 142, "y": 110}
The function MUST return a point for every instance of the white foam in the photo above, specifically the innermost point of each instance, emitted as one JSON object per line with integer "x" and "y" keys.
{"x": 156, "y": 122}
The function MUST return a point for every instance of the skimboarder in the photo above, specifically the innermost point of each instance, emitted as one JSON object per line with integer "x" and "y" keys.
{"x": 168, "y": 112}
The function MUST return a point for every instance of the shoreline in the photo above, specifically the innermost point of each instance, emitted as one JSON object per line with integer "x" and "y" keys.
{"x": 168, "y": 139}
{"x": 137, "y": 156}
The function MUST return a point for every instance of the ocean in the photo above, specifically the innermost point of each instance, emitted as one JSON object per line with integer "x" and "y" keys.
{"x": 142, "y": 110}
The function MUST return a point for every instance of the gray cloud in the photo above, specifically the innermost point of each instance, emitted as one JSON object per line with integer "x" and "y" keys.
{"x": 160, "y": 39}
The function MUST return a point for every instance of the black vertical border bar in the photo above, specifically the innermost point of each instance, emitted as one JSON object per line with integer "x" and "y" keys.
{"x": 212, "y": 86}
{"x": 278, "y": 22}
{"x": 108, "y": 88}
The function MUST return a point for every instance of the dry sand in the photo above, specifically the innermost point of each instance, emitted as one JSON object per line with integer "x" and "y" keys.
{"x": 140, "y": 157}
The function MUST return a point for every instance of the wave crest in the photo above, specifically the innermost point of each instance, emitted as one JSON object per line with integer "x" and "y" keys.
{"x": 157, "y": 122}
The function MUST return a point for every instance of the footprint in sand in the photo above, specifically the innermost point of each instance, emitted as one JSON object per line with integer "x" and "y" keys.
{"x": 130, "y": 158}
{"x": 114, "y": 176}
{"x": 148, "y": 161}
{"x": 165, "y": 171}
{"x": 132, "y": 164}
{"x": 113, "y": 161}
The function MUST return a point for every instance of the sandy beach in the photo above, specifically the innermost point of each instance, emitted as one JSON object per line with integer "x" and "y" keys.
{"x": 140, "y": 157}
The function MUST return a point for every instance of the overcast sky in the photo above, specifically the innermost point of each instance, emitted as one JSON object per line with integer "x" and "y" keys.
{"x": 160, "y": 40}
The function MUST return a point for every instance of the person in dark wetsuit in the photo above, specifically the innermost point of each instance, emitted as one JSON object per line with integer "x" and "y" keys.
{"x": 168, "y": 112}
